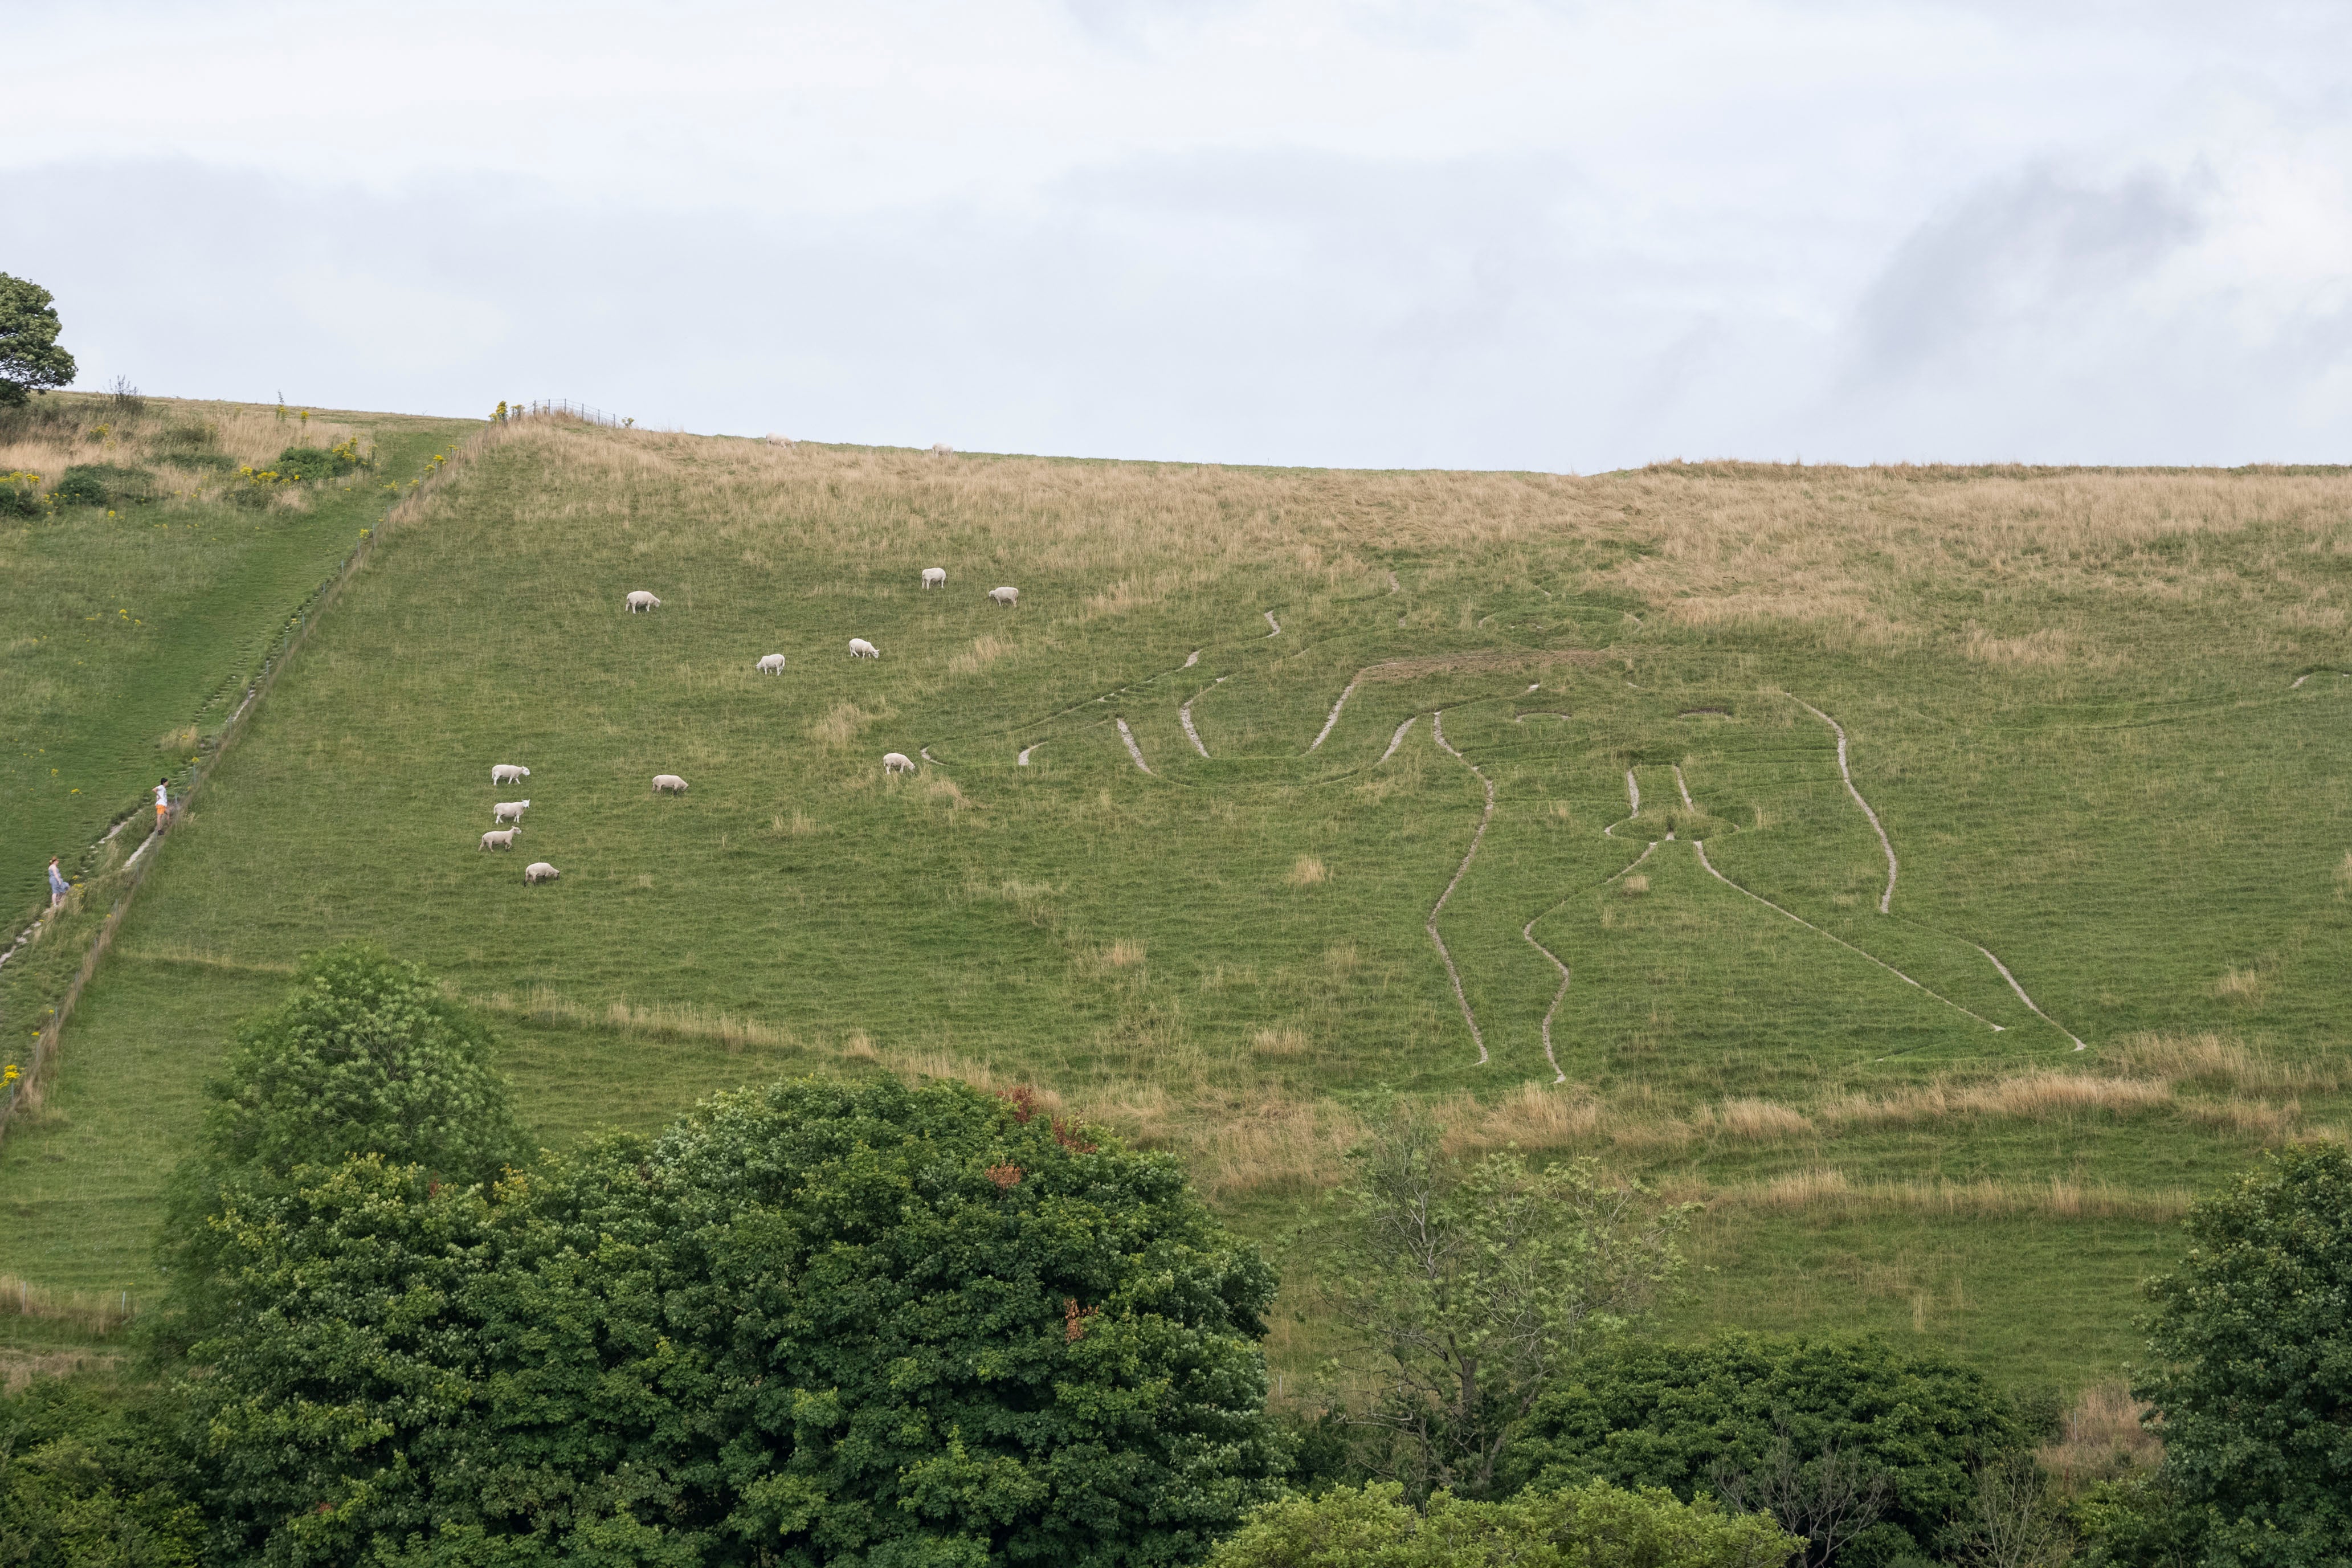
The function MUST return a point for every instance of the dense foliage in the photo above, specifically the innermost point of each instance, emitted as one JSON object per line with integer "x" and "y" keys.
{"x": 809, "y": 1324}
{"x": 2253, "y": 1337}
{"x": 87, "y": 1482}
{"x": 1592, "y": 1526}
{"x": 365, "y": 1056}
{"x": 1866, "y": 1451}
{"x": 31, "y": 359}
{"x": 1470, "y": 1288}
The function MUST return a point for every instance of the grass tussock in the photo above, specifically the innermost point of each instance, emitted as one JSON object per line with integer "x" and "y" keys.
{"x": 2213, "y": 1062}
{"x": 1278, "y": 1043}
{"x": 1307, "y": 871}
{"x": 2103, "y": 1436}
{"x": 984, "y": 651}
{"x": 2031, "y": 1096}
{"x": 1123, "y": 954}
{"x": 841, "y": 726}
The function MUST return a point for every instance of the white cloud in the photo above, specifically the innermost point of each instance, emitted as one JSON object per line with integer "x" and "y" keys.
{"x": 1499, "y": 233}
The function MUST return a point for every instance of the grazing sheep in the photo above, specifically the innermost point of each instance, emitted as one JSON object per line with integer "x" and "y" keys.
{"x": 774, "y": 440}
{"x": 898, "y": 763}
{"x": 860, "y": 648}
{"x": 669, "y": 782}
{"x": 508, "y": 810}
{"x": 773, "y": 664}
{"x": 539, "y": 871}
{"x": 641, "y": 600}
{"x": 941, "y": 449}
{"x": 508, "y": 773}
{"x": 935, "y": 576}
{"x": 496, "y": 840}
{"x": 1008, "y": 598}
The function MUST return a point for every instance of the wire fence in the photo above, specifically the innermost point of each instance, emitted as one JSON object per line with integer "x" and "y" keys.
{"x": 564, "y": 405}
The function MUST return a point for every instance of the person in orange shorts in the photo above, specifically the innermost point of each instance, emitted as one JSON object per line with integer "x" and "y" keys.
{"x": 162, "y": 800}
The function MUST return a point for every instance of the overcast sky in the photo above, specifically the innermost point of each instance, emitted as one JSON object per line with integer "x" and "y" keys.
{"x": 1541, "y": 235}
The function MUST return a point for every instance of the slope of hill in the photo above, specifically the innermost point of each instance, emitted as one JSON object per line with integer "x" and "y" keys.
{"x": 1939, "y": 872}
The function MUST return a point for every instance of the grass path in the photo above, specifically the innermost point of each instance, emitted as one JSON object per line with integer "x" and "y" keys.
{"x": 1437, "y": 728}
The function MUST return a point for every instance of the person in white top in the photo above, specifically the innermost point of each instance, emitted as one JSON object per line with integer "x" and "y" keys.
{"x": 162, "y": 800}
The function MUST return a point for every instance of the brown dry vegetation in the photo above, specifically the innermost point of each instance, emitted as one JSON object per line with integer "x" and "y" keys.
{"x": 91, "y": 430}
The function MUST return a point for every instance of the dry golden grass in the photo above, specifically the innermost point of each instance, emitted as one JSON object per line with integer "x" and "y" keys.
{"x": 2044, "y": 650}
{"x": 840, "y": 727}
{"x": 1306, "y": 873}
{"x": 99, "y": 1313}
{"x": 2240, "y": 985}
{"x": 2033, "y": 1096}
{"x": 984, "y": 651}
{"x": 1278, "y": 1043}
{"x": 2227, "y": 1064}
{"x": 100, "y": 433}
{"x": 1634, "y": 885}
{"x": 1123, "y": 954}
{"x": 1762, "y": 1121}
{"x": 859, "y": 1047}
{"x": 1828, "y": 1188}
{"x": 2102, "y": 1436}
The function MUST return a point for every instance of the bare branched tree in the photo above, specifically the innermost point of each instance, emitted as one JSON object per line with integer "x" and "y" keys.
{"x": 1469, "y": 1290}
{"x": 1827, "y": 1499}
{"x": 2010, "y": 1523}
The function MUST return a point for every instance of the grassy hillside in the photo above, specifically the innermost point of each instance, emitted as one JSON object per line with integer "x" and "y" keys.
{"x": 2069, "y": 699}
{"x": 135, "y": 623}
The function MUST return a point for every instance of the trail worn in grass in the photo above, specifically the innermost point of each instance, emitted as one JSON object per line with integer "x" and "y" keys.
{"x": 2066, "y": 697}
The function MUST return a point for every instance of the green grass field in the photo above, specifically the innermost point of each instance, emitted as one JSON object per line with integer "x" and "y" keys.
{"x": 2068, "y": 697}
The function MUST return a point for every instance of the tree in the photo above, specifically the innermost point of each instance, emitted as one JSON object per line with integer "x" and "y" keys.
{"x": 365, "y": 1056}
{"x": 1809, "y": 1428}
{"x": 2253, "y": 1337}
{"x": 1469, "y": 1290}
{"x": 30, "y": 358}
{"x": 808, "y": 1323}
{"x": 1592, "y": 1526}
{"x": 87, "y": 1481}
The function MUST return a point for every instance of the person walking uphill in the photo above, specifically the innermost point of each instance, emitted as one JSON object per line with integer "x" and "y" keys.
{"x": 162, "y": 800}
{"x": 58, "y": 886}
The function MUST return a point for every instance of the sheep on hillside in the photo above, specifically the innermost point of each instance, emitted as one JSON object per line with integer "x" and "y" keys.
{"x": 669, "y": 782}
{"x": 773, "y": 664}
{"x": 1008, "y": 598}
{"x": 860, "y": 648}
{"x": 641, "y": 600}
{"x": 935, "y": 576}
{"x": 539, "y": 871}
{"x": 774, "y": 440}
{"x": 941, "y": 449}
{"x": 508, "y": 773}
{"x": 498, "y": 841}
{"x": 898, "y": 763}
{"x": 509, "y": 810}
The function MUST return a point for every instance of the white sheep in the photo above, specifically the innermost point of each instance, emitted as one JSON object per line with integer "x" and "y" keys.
{"x": 1008, "y": 598}
{"x": 669, "y": 782}
{"x": 941, "y": 449}
{"x": 860, "y": 648}
{"x": 773, "y": 664}
{"x": 898, "y": 763}
{"x": 641, "y": 600}
{"x": 774, "y": 440}
{"x": 539, "y": 871}
{"x": 509, "y": 810}
{"x": 496, "y": 840}
{"x": 508, "y": 773}
{"x": 935, "y": 576}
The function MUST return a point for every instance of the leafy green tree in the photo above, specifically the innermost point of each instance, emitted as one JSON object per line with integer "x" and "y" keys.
{"x": 2253, "y": 1338}
{"x": 30, "y": 357}
{"x": 1592, "y": 1526}
{"x": 365, "y": 1056}
{"x": 1809, "y": 1428}
{"x": 1470, "y": 1289}
{"x": 808, "y": 1324}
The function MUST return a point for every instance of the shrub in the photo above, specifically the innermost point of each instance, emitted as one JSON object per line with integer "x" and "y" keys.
{"x": 1823, "y": 1423}
{"x": 1592, "y": 1526}
{"x": 20, "y": 495}
{"x": 305, "y": 464}
{"x": 86, "y": 1476}
{"x": 103, "y": 484}
{"x": 2253, "y": 1336}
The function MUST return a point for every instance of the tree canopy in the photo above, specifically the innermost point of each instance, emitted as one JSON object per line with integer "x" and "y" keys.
{"x": 31, "y": 359}
{"x": 1866, "y": 1451}
{"x": 2253, "y": 1337}
{"x": 1592, "y": 1526}
{"x": 809, "y": 1323}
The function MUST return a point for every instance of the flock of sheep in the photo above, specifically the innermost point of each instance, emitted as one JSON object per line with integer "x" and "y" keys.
{"x": 507, "y": 811}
